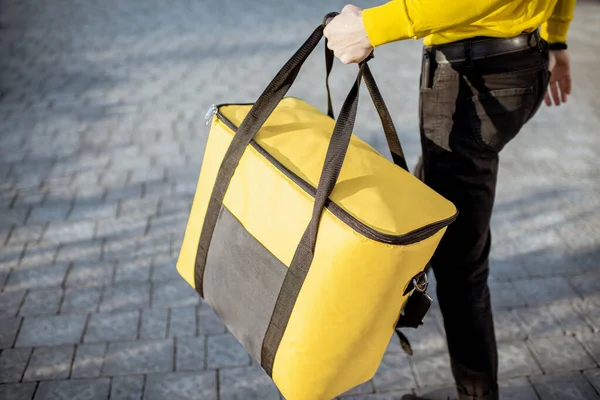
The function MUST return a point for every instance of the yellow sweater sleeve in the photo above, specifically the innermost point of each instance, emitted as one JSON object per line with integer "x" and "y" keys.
{"x": 404, "y": 19}
{"x": 555, "y": 29}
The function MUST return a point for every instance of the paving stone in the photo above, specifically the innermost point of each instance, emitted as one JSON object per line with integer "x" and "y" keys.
{"x": 90, "y": 274}
{"x": 49, "y": 363}
{"x": 561, "y": 353}
{"x": 225, "y": 351}
{"x": 182, "y": 322}
{"x": 135, "y": 270}
{"x": 164, "y": 271}
{"x": 17, "y": 391}
{"x": 42, "y": 302}
{"x": 246, "y": 383}
{"x": 85, "y": 211}
{"x": 120, "y": 250}
{"x": 141, "y": 357}
{"x": 85, "y": 179}
{"x": 505, "y": 295}
{"x": 81, "y": 252}
{"x": 154, "y": 323}
{"x": 569, "y": 319}
{"x": 517, "y": 389}
{"x": 68, "y": 232}
{"x": 38, "y": 255}
{"x": 26, "y": 233}
{"x": 394, "y": 373}
{"x": 122, "y": 227}
{"x": 88, "y": 360}
{"x": 124, "y": 193}
{"x": 593, "y": 376}
{"x": 590, "y": 311}
{"x": 51, "y": 330}
{"x": 209, "y": 323}
{"x": 8, "y": 331}
{"x": 158, "y": 188}
{"x": 507, "y": 327}
{"x": 138, "y": 207}
{"x": 84, "y": 300}
{"x": 126, "y": 296}
{"x": 182, "y": 386}
{"x": 35, "y": 278}
{"x": 3, "y": 278}
{"x": 175, "y": 205}
{"x": 112, "y": 326}
{"x": 190, "y": 354}
{"x": 10, "y": 303}
{"x": 515, "y": 359}
{"x": 30, "y": 197}
{"x": 12, "y": 364}
{"x": 10, "y": 256}
{"x": 432, "y": 369}
{"x": 126, "y": 388}
{"x": 378, "y": 396}
{"x": 591, "y": 341}
{"x": 114, "y": 178}
{"x": 13, "y": 216}
{"x": 77, "y": 389}
{"x": 49, "y": 213}
{"x": 8, "y": 197}
{"x": 557, "y": 262}
{"x": 362, "y": 389}
{"x": 545, "y": 290}
{"x": 587, "y": 284}
{"x": 566, "y": 386}
{"x": 174, "y": 293}
{"x": 538, "y": 321}
{"x": 174, "y": 223}
{"x": 154, "y": 245}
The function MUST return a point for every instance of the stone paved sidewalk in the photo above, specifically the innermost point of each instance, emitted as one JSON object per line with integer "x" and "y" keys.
{"x": 101, "y": 140}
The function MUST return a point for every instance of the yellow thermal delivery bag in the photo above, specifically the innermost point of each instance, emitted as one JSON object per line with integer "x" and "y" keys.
{"x": 306, "y": 242}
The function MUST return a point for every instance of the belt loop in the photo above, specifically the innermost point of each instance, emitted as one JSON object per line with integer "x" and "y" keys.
{"x": 535, "y": 35}
{"x": 540, "y": 41}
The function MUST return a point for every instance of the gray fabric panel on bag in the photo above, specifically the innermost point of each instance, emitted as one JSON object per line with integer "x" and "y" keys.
{"x": 242, "y": 280}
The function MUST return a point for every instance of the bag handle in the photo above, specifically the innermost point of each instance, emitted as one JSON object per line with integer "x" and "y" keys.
{"x": 384, "y": 115}
{"x": 256, "y": 117}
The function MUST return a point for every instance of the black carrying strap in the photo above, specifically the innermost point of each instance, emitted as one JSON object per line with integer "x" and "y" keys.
{"x": 303, "y": 257}
{"x": 256, "y": 117}
{"x": 384, "y": 115}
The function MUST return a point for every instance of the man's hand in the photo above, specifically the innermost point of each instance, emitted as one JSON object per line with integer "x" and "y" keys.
{"x": 560, "y": 81}
{"x": 347, "y": 37}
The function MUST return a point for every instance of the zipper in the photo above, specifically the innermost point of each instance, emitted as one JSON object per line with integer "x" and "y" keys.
{"x": 411, "y": 237}
{"x": 212, "y": 111}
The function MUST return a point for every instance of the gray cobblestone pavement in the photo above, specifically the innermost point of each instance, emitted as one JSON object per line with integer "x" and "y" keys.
{"x": 101, "y": 139}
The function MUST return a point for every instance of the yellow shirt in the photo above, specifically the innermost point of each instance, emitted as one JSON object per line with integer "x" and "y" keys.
{"x": 442, "y": 22}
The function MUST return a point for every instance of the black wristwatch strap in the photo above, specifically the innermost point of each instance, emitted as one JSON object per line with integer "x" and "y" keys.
{"x": 557, "y": 46}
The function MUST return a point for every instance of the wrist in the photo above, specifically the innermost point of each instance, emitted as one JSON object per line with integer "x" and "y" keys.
{"x": 387, "y": 23}
{"x": 558, "y": 46}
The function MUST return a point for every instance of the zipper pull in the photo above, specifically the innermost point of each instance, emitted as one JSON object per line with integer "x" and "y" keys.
{"x": 209, "y": 115}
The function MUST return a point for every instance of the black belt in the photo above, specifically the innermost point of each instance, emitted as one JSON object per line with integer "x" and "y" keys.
{"x": 478, "y": 49}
